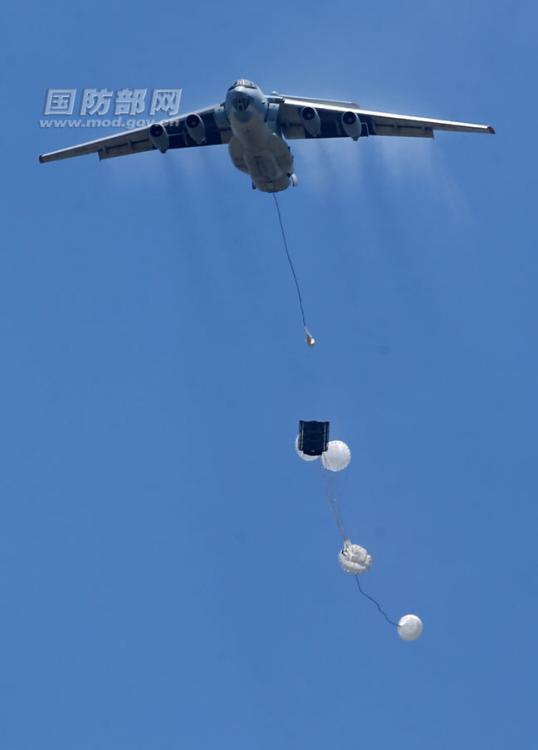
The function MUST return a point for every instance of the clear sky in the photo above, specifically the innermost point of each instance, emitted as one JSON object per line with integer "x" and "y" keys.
{"x": 168, "y": 567}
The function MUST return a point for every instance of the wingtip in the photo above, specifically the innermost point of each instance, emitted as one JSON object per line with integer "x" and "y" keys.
{"x": 41, "y": 159}
{"x": 491, "y": 129}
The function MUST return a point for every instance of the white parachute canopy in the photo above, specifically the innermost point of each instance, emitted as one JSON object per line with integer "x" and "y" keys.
{"x": 337, "y": 456}
{"x": 354, "y": 559}
{"x": 302, "y": 455}
{"x": 409, "y": 627}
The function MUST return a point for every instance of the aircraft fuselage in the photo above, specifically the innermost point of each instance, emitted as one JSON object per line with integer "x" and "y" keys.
{"x": 256, "y": 146}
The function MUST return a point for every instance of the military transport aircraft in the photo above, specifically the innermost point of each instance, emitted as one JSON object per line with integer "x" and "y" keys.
{"x": 256, "y": 126}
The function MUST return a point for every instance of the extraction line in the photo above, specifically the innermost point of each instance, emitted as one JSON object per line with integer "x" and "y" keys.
{"x": 309, "y": 338}
{"x": 371, "y": 598}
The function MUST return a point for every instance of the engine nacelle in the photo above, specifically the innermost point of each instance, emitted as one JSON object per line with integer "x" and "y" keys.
{"x": 196, "y": 128}
{"x": 159, "y": 137}
{"x": 311, "y": 121}
{"x": 351, "y": 124}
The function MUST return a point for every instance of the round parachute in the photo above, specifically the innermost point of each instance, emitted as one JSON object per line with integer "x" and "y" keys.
{"x": 409, "y": 627}
{"x": 354, "y": 559}
{"x": 336, "y": 457}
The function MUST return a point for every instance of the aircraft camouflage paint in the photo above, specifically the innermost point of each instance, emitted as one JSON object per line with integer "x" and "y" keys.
{"x": 255, "y": 126}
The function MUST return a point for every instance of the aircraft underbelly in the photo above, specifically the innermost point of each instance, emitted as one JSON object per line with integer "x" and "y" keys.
{"x": 262, "y": 165}
{"x": 267, "y": 160}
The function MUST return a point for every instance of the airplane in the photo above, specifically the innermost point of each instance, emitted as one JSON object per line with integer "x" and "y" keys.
{"x": 256, "y": 127}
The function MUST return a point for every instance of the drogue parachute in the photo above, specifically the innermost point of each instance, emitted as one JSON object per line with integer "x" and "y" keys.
{"x": 337, "y": 456}
{"x": 410, "y": 627}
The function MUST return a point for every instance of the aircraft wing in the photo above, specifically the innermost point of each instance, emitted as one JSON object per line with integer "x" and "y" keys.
{"x": 216, "y": 131}
{"x": 373, "y": 123}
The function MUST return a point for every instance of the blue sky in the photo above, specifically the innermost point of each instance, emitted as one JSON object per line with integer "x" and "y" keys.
{"x": 168, "y": 572}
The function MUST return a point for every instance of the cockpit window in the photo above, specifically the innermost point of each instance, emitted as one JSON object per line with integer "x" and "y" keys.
{"x": 242, "y": 82}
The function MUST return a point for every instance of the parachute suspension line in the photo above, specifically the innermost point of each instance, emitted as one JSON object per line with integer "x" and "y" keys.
{"x": 309, "y": 338}
{"x": 371, "y": 598}
{"x": 332, "y": 502}
{"x": 333, "y": 507}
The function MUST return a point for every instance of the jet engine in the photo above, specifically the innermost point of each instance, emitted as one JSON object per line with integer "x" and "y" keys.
{"x": 159, "y": 137}
{"x": 352, "y": 125}
{"x": 196, "y": 128}
{"x": 310, "y": 119}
